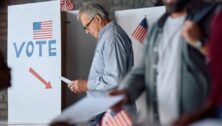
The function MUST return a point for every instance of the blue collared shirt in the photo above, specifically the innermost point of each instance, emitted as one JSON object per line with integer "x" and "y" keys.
{"x": 113, "y": 58}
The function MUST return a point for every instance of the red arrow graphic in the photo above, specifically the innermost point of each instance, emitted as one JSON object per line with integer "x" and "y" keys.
{"x": 47, "y": 84}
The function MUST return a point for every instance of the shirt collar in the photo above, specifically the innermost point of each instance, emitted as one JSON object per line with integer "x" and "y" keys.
{"x": 105, "y": 28}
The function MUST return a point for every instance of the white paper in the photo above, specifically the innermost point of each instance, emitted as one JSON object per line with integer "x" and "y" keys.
{"x": 208, "y": 122}
{"x": 87, "y": 108}
{"x": 67, "y": 81}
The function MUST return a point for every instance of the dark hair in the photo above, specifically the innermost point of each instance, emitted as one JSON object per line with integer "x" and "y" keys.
{"x": 3, "y": 3}
{"x": 178, "y": 6}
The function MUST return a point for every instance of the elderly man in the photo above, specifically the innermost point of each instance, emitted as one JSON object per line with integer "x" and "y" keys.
{"x": 173, "y": 73}
{"x": 5, "y": 76}
{"x": 113, "y": 56}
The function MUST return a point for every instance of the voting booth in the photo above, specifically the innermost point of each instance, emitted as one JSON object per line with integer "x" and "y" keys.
{"x": 41, "y": 48}
{"x": 130, "y": 19}
{"x": 34, "y": 54}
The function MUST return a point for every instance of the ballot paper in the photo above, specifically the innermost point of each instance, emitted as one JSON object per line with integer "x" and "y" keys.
{"x": 67, "y": 81}
{"x": 208, "y": 122}
{"x": 87, "y": 108}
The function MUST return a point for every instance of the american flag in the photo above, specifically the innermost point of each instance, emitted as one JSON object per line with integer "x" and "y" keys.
{"x": 141, "y": 30}
{"x": 42, "y": 30}
{"x": 67, "y": 5}
{"x": 120, "y": 118}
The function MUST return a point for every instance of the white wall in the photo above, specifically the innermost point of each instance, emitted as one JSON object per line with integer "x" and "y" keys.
{"x": 28, "y": 100}
{"x": 130, "y": 19}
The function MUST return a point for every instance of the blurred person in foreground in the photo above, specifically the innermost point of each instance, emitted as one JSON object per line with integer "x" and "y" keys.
{"x": 213, "y": 105}
{"x": 113, "y": 56}
{"x": 5, "y": 75}
{"x": 60, "y": 124}
{"x": 173, "y": 74}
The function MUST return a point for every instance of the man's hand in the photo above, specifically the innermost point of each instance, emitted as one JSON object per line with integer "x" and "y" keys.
{"x": 78, "y": 86}
{"x": 205, "y": 111}
{"x": 184, "y": 120}
{"x": 191, "y": 32}
{"x": 117, "y": 107}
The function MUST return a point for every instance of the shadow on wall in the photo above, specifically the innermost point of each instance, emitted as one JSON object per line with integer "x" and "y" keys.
{"x": 79, "y": 54}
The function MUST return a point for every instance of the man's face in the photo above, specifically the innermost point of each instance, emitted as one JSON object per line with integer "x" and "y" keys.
{"x": 90, "y": 25}
{"x": 5, "y": 76}
{"x": 175, "y": 5}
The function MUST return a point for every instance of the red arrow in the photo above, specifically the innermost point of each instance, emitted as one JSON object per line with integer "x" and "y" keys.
{"x": 47, "y": 84}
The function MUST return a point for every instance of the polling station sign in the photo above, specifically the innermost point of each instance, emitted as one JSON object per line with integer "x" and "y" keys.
{"x": 34, "y": 54}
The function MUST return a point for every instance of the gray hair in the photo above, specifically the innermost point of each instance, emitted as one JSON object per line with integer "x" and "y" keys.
{"x": 92, "y": 9}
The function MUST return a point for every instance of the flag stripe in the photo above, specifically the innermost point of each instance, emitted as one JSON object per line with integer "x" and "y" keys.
{"x": 126, "y": 117}
{"x": 137, "y": 31}
{"x": 42, "y": 30}
{"x": 106, "y": 122}
{"x": 41, "y": 33}
{"x": 141, "y": 31}
{"x": 120, "y": 118}
{"x": 110, "y": 119}
{"x": 42, "y": 36}
{"x": 124, "y": 123}
{"x": 113, "y": 122}
{"x": 66, "y": 5}
{"x": 139, "y": 34}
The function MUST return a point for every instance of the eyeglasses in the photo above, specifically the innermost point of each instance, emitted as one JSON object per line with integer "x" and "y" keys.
{"x": 87, "y": 25}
